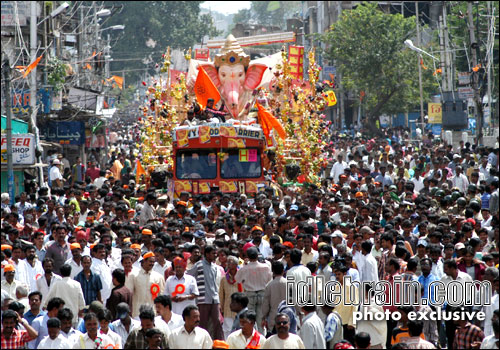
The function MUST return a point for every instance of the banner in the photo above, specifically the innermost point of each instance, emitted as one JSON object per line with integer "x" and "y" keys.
{"x": 296, "y": 61}
{"x": 435, "y": 113}
{"x": 201, "y": 54}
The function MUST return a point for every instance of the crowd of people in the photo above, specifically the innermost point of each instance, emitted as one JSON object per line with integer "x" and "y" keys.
{"x": 98, "y": 261}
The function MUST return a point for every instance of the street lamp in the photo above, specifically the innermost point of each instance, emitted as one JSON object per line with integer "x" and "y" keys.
{"x": 56, "y": 12}
{"x": 103, "y": 12}
{"x": 409, "y": 43}
{"x": 116, "y": 27}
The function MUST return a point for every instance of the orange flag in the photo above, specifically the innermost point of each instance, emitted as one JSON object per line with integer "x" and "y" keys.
{"x": 269, "y": 121}
{"x": 205, "y": 89}
{"x": 31, "y": 67}
{"x": 118, "y": 80}
{"x": 139, "y": 171}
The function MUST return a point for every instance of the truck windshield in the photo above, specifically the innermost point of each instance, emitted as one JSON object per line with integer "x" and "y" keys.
{"x": 196, "y": 164}
{"x": 241, "y": 163}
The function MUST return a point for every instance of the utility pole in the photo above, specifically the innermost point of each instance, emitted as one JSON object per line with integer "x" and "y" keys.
{"x": 475, "y": 76}
{"x": 10, "y": 165}
{"x": 33, "y": 84}
{"x": 442, "y": 50}
{"x": 447, "y": 52}
{"x": 420, "y": 70}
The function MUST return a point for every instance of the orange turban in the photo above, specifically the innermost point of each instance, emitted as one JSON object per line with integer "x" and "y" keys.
{"x": 148, "y": 255}
{"x": 6, "y": 246}
{"x": 257, "y": 228}
{"x": 219, "y": 344}
{"x": 135, "y": 246}
{"x": 359, "y": 194}
{"x": 9, "y": 268}
{"x": 147, "y": 232}
{"x": 178, "y": 261}
{"x": 75, "y": 246}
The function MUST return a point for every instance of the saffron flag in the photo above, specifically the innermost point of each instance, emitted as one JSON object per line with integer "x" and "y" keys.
{"x": 139, "y": 171}
{"x": 118, "y": 80}
{"x": 269, "y": 121}
{"x": 204, "y": 88}
{"x": 31, "y": 66}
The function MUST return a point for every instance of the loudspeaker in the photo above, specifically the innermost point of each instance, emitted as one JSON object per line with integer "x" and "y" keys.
{"x": 454, "y": 112}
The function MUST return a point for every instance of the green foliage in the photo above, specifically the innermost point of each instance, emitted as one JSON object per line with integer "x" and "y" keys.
{"x": 177, "y": 24}
{"x": 367, "y": 46}
{"x": 268, "y": 13}
{"x": 57, "y": 73}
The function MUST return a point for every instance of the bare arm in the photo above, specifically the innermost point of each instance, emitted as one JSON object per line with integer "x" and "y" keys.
{"x": 31, "y": 331}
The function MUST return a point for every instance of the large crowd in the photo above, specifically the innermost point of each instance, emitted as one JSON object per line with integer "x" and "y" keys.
{"x": 98, "y": 261}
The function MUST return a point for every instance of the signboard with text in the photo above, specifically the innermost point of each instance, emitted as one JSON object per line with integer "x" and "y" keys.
{"x": 465, "y": 93}
{"x": 435, "y": 113}
{"x": 70, "y": 133}
{"x": 23, "y": 149}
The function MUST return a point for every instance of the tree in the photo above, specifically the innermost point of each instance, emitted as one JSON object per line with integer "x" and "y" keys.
{"x": 151, "y": 26}
{"x": 367, "y": 46}
{"x": 267, "y": 13}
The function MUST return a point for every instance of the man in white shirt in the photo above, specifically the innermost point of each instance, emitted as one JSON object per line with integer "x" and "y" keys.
{"x": 55, "y": 340}
{"x": 338, "y": 169}
{"x": 166, "y": 318}
{"x": 30, "y": 269}
{"x": 100, "y": 268}
{"x": 125, "y": 323}
{"x": 312, "y": 331}
{"x": 452, "y": 273}
{"x": 70, "y": 291}
{"x": 88, "y": 340}
{"x": 283, "y": 339}
{"x": 55, "y": 176}
{"x": 247, "y": 337}
{"x": 47, "y": 280}
{"x": 67, "y": 331}
{"x": 76, "y": 261}
{"x": 190, "y": 336}
{"x": 260, "y": 243}
{"x": 254, "y": 277}
{"x": 369, "y": 272}
{"x": 460, "y": 180}
{"x": 182, "y": 287}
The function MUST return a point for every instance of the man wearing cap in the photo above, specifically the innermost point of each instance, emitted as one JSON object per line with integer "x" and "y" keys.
{"x": 9, "y": 284}
{"x": 145, "y": 284}
{"x": 55, "y": 176}
{"x": 76, "y": 261}
{"x": 181, "y": 287}
{"x": 148, "y": 211}
{"x": 262, "y": 244}
{"x": 124, "y": 323}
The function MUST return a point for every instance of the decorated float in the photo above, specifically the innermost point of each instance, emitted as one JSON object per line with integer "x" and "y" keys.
{"x": 267, "y": 108}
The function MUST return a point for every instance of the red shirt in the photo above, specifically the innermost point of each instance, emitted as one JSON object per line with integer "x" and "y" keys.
{"x": 17, "y": 340}
{"x": 93, "y": 173}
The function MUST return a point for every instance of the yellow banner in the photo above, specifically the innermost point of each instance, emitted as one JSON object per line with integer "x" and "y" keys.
{"x": 435, "y": 113}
